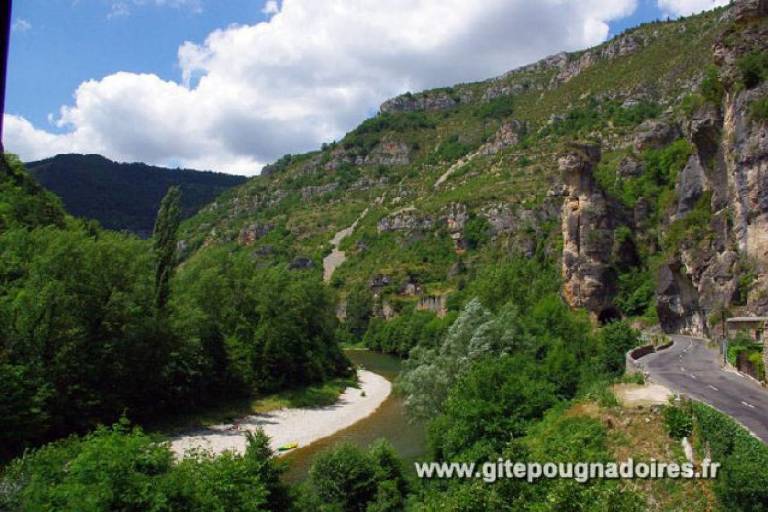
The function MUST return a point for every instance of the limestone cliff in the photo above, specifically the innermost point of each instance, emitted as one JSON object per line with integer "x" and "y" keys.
{"x": 729, "y": 166}
{"x": 587, "y": 234}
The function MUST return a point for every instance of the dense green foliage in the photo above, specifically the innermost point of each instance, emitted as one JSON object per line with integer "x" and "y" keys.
{"x": 350, "y": 480}
{"x": 399, "y": 335}
{"x": 276, "y": 331}
{"x": 125, "y": 196}
{"x": 530, "y": 322}
{"x": 678, "y": 421}
{"x": 370, "y": 132}
{"x": 711, "y": 88}
{"x": 24, "y": 201}
{"x": 742, "y": 481}
{"x": 580, "y": 121}
{"x": 753, "y": 68}
{"x": 79, "y": 322}
{"x": 123, "y": 469}
{"x": 164, "y": 240}
{"x": 758, "y": 110}
{"x": 497, "y": 108}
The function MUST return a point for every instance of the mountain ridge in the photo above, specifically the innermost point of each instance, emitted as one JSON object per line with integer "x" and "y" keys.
{"x": 125, "y": 196}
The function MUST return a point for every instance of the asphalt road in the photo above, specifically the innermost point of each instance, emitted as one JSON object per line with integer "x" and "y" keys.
{"x": 689, "y": 367}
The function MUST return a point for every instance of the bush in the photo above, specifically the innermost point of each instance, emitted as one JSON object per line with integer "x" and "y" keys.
{"x": 449, "y": 150}
{"x": 124, "y": 469}
{"x": 348, "y": 479}
{"x": 678, "y": 421}
{"x": 712, "y": 88}
{"x": 742, "y": 483}
{"x": 616, "y": 339}
{"x": 753, "y": 68}
{"x": 497, "y": 399}
{"x": 400, "y": 334}
{"x": 758, "y": 110}
{"x": 477, "y": 231}
{"x": 497, "y": 108}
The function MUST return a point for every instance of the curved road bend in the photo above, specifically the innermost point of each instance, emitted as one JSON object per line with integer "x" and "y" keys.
{"x": 691, "y": 368}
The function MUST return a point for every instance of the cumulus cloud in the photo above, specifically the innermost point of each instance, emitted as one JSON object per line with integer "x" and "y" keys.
{"x": 316, "y": 68}
{"x": 271, "y": 7}
{"x": 21, "y": 25}
{"x": 677, "y": 8}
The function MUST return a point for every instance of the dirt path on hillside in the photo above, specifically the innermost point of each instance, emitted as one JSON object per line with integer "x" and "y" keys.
{"x": 337, "y": 257}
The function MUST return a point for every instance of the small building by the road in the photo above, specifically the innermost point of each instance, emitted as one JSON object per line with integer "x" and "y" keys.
{"x": 754, "y": 327}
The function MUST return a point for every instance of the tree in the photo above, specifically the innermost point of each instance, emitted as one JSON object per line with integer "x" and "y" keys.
{"x": 165, "y": 240}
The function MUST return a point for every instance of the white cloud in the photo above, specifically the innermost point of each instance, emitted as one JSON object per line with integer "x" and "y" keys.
{"x": 250, "y": 93}
{"x": 21, "y": 25}
{"x": 271, "y": 7}
{"x": 677, "y": 8}
{"x": 121, "y": 8}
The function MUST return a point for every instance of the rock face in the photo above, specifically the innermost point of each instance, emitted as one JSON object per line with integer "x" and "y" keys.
{"x": 387, "y": 153}
{"x": 587, "y": 227}
{"x": 678, "y": 302}
{"x": 730, "y": 163}
{"x": 507, "y": 135}
{"x": 407, "y": 219}
{"x": 654, "y": 134}
{"x": 455, "y": 218}
{"x": 435, "y": 304}
{"x": 249, "y": 234}
{"x": 431, "y": 101}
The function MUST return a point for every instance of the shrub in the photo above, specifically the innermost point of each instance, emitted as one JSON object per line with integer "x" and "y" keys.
{"x": 616, "y": 339}
{"x": 679, "y": 422}
{"x": 348, "y": 479}
{"x": 691, "y": 104}
{"x": 497, "y": 108}
{"x": 712, "y": 88}
{"x": 450, "y": 150}
{"x": 742, "y": 483}
{"x": 476, "y": 231}
{"x": 753, "y": 68}
{"x": 124, "y": 469}
{"x": 758, "y": 110}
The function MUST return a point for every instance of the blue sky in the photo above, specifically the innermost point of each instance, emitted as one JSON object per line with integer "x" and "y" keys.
{"x": 280, "y": 78}
{"x": 70, "y": 41}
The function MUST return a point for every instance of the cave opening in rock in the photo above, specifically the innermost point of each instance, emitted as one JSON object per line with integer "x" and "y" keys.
{"x": 608, "y": 315}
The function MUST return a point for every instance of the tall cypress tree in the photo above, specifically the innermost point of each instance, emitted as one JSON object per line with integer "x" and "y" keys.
{"x": 165, "y": 240}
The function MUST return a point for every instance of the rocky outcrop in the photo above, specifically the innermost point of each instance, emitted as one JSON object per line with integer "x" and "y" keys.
{"x": 436, "y": 304}
{"x": 587, "y": 226}
{"x": 621, "y": 46}
{"x": 252, "y": 232}
{"x": 456, "y": 217}
{"x": 301, "y": 263}
{"x": 678, "y": 302}
{"x": 430, "y": 101}
{"x": 654, "y": 134}
{"x": 319, "y": 190}
{"x": 630, "y": 167}
{"x": 389, "y": 153}
{"x": 730, "y": 163}
{"x": 386, "y": 153}
{"x": 407, "y": 219}
{"x": 507, "y": 135}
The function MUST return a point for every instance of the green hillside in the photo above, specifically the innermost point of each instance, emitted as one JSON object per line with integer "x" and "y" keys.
{"x": 124, "y": 196}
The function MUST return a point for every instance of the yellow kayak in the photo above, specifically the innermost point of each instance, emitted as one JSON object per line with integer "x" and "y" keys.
{"x": 287, "y": 446}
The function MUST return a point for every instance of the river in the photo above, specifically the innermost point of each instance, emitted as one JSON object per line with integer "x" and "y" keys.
{"x": 388, "y": 422}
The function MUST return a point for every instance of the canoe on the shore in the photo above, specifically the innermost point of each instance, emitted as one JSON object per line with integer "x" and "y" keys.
{"x": 287, "y": 446}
